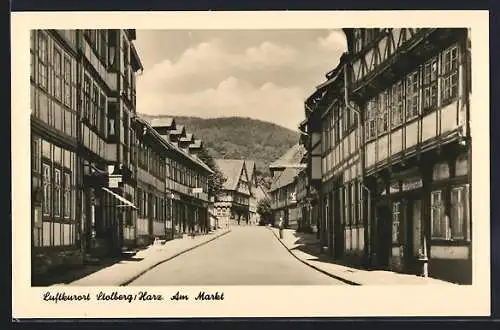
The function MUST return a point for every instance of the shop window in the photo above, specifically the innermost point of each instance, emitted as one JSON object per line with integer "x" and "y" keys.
{"x": 47, "y": 186}
{"x": 460, "y": 222}
{"x": 412, "y": 95}
{"x": 430, "y": 85}
{"x": 439, "y": 220}
{"x": 449, "y": 89}
{"x": 347, "y": 211}
{"x": 396, "y": 219}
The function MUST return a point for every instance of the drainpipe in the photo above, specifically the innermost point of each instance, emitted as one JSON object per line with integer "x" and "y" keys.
{"x": 362, "y": 160}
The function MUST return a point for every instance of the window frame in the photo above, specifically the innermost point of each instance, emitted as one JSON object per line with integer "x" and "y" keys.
{"x": 43, "y": 66}
{"x": 46, "y": 188}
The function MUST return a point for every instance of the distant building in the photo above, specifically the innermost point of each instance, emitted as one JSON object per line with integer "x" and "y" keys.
{"x": 283, "y": 190}
{"x": 233, "y": 205}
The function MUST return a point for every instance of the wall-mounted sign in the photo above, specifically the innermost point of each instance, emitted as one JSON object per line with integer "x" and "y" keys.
{"x": 394, "y": 187}
{"x": 197, "y": 190}
{"x": 412, "y": 183}
{"x": 114, "y": 181}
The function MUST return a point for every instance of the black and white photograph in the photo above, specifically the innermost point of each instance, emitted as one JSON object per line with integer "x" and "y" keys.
{"x": 334, "y": 158}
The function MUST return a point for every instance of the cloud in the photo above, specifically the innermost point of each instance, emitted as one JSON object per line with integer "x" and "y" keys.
{"x": 231, "y": 97}
{"x": 222, "y": 75}
{"x": 335, "y": 40}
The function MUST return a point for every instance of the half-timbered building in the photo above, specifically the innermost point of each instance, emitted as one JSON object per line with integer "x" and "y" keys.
{"x": 392, "y": 123}
{"x": 82, "y": 90}
{"x": 233, "y": 204}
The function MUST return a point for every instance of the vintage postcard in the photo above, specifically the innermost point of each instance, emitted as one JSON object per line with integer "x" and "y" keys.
{"x": 221, "y": 164}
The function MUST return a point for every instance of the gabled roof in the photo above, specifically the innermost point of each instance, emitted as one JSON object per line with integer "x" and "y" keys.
{"x": 196, "y": 144}
{"x": 250, "y": 165}
{"x": 291, "y": 158}
{"x": 285, "y": 178}
{"x": 187, "y": 138}
{"x": 231, "y": 169}
{"x": 167, "y": 122}
{"x": 180, "y": 130}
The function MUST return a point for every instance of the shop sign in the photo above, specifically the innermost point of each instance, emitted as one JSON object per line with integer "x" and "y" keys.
{"x": 411, "y": 184}
{"x": 394, "y": 188}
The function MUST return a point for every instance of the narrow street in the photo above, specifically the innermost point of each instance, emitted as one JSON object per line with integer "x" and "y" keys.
{"x": 248, "y": 255}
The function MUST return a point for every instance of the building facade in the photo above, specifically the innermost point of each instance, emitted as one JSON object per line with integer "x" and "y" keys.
{"x": 82, "y": 90}
{"x": 284, "y": 187}
{"x": 233, "y": 204}
{"x": 390, "y": 151}
{"x": 172, "y": 182}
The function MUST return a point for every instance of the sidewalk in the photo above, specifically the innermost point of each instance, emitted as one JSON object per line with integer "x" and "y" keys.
{"x": 128, "y": 270}
{"x": 305, "y": 248}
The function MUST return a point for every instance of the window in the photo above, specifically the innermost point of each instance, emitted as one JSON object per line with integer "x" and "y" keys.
{"x": 459, "y": 212}
{"x": 103, "y": 45}
{"x": 42, "y": 61}
{"x": 67, "y": 81}
{"x": 32, "y": 54}
{"x": 449, "y": 89}
{"x": 371, "y": 118}
{"x": 383, "y": 113}
{"x": 430, "y": 85}
{"x": 57, "y": 192}
{"x": 36, "y": 155}
{"x": 439, "y": 221}
{"x": 47, "y": 186}
{"x": 396, "y": 219}
{"x": 412, "y": 90}
{"x": 397, "y": 104}
{"x": 67, "y": 195}
{"x": 346, "y": 205}
{"x": 57, "y": 74}
{"x": 86, "y": 97}
{"x": 102, "y": 114}
{"x": 358, "y": 40}
{"x": 354, "y": 203}
{"x": 94, "y": 107}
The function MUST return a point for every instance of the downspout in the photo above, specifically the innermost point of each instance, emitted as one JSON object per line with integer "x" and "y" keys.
{"x": 362, "y": 162}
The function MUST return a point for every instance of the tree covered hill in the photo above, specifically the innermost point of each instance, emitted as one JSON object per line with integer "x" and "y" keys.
{"x": 240, "y": 138}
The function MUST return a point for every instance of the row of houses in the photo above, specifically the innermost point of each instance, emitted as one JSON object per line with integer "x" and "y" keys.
{"x": 103, "y": 179}
{"x": 388, "y": 152}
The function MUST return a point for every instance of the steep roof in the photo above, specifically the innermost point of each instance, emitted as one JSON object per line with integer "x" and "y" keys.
{"x": 231, "y": 169}
{"x": 250, "y": 164}
{"x": 285, "y": 178}
{"x": 292, "y": 157}
{"x": 163, "y": 122}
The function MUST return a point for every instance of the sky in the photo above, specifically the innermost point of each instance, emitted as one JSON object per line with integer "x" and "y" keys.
{"x": 261, "y": 74}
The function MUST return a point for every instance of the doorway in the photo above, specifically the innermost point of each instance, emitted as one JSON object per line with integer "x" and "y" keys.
{"x": 383, "y": 241}
{"x": 413, "y": 233}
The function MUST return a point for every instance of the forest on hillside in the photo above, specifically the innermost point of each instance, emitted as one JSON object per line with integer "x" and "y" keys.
{"x": 241, "y": 138}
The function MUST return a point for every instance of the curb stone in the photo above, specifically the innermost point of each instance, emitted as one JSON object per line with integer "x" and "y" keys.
{"x": 170, "y": 258}
{"x": 312, "y": 266}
